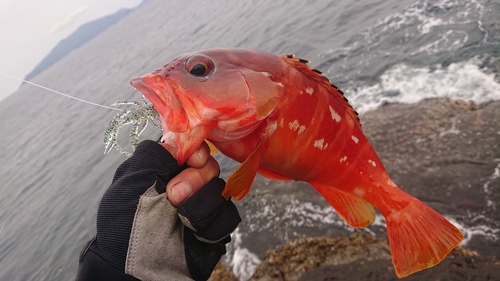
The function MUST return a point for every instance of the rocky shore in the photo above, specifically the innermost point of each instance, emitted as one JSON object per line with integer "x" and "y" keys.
{"x": 444, "y": 152}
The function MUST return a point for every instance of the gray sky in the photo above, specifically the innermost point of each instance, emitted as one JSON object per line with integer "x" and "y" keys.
{"x": 29, "y": 29}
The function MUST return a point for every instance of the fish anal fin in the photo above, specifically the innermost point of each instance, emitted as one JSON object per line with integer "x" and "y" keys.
{"x": 272, "y": 175}
{"x": 238, "y": 184}
{"x": 212, "y": 147}
{"x": 419, "y": 238}
{"x": 354, "y": 210}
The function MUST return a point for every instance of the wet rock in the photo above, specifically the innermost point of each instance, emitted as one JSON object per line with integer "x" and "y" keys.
{"x": 441, "y": 151}
{"x": 356, "y": 257}
{"x": 301, "y": 255}
{"x": 221, "y": 273}
{"x": 447, "y": 154}
{"x": 457, "y": 268}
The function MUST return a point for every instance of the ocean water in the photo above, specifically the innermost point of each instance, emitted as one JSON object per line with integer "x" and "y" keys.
{"x": 52, "y": 168}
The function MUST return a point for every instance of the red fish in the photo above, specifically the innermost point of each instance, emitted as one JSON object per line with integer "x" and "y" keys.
{"x": 282, "y": 119}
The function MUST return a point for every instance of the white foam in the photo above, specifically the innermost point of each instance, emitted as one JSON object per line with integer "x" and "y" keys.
{"x": 405, "y": 84}
{"x": 486, "y": 187}
{"x": 244, "y": 263}
{"x": 470, "y": 232}
{"x": 293, "y": 214}
{"x": 241, "y": 261}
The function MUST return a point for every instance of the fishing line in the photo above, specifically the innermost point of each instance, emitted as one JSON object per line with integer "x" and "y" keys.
{"x": 59, "y": 93}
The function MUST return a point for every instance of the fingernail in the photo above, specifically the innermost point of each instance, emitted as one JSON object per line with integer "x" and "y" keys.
{"x": 181, "y": 191}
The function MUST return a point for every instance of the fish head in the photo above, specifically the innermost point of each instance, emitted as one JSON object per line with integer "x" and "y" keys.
{"x": 219, "y": 94}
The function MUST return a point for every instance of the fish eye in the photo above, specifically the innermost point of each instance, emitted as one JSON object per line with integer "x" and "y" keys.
{"x": 199, "y": 69}
{"x": 199, "y": 65}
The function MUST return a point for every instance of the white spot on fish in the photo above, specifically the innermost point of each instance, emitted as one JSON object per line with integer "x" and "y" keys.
{"x": 309, "y": 90}
{"x": 358, "y": 191}
{"x": 302, "y": 128}
{"x": 355, "y": 139}
{"x": 320, "y": 144}
{"x": 271, "y": 127}
{"x": 294, "y": 125}
{"x": 282, "y": 122}
{"x": 372, "y": 163}
{"x": 343, "y": 159}
{"x": 335, "y": 115}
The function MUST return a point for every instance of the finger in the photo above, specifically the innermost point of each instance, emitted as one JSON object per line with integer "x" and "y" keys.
{"x": 199, "y": 157}
{"x": 171, "y": 149}
{"x": 191, "y": 180}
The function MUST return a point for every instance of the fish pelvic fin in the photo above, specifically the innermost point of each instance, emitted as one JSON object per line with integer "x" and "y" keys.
{"x": 238, "y": 184}
{"x": 419, "y": 238}
{"x": 211, "y": 146}
{"x": 354, "y": 210}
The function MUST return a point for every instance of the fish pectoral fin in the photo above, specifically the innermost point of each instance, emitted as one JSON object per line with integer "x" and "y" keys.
{"x": 419, "y": 237}
{"x": 212, "y": 147}
{"x": 272, "y": 175}
{"x": 238, "y": 184}
{"x": 354, "y": 210}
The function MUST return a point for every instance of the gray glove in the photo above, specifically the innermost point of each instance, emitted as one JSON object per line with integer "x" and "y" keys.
{"x": 141, "y": 236}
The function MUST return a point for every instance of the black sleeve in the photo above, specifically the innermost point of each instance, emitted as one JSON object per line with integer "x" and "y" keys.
{"x": 93, "y": 267}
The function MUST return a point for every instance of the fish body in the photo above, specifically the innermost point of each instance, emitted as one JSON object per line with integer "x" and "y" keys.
{"x": 280, "y": 118}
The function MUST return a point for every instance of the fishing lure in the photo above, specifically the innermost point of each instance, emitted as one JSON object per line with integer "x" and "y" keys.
{"x": 139, "y": 117}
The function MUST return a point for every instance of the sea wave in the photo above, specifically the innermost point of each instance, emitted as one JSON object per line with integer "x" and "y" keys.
{"x": 406, "y": 84}
{"x": 443, "y": 48}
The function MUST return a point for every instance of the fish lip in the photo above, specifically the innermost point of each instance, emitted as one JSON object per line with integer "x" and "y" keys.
{"x": 158, "y": 103}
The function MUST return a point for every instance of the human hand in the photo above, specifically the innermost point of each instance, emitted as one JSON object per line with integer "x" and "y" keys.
{"x": 144, "y": 235}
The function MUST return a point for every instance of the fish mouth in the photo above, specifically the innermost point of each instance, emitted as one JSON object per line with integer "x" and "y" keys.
{"x": 177, "y": 128}
{"x": 149, "y": 93}
{"x": 163, "y": 98}
{"x": 145, "y": 90}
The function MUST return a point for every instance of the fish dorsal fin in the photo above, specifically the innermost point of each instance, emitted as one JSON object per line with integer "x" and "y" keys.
{"x": 238, "y": 184}
{"x": 316, "y": 75}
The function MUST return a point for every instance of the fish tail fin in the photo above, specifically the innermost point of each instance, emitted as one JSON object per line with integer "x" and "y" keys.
{"x": 354, "y": 210}
{"x": 419, "y": 237}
